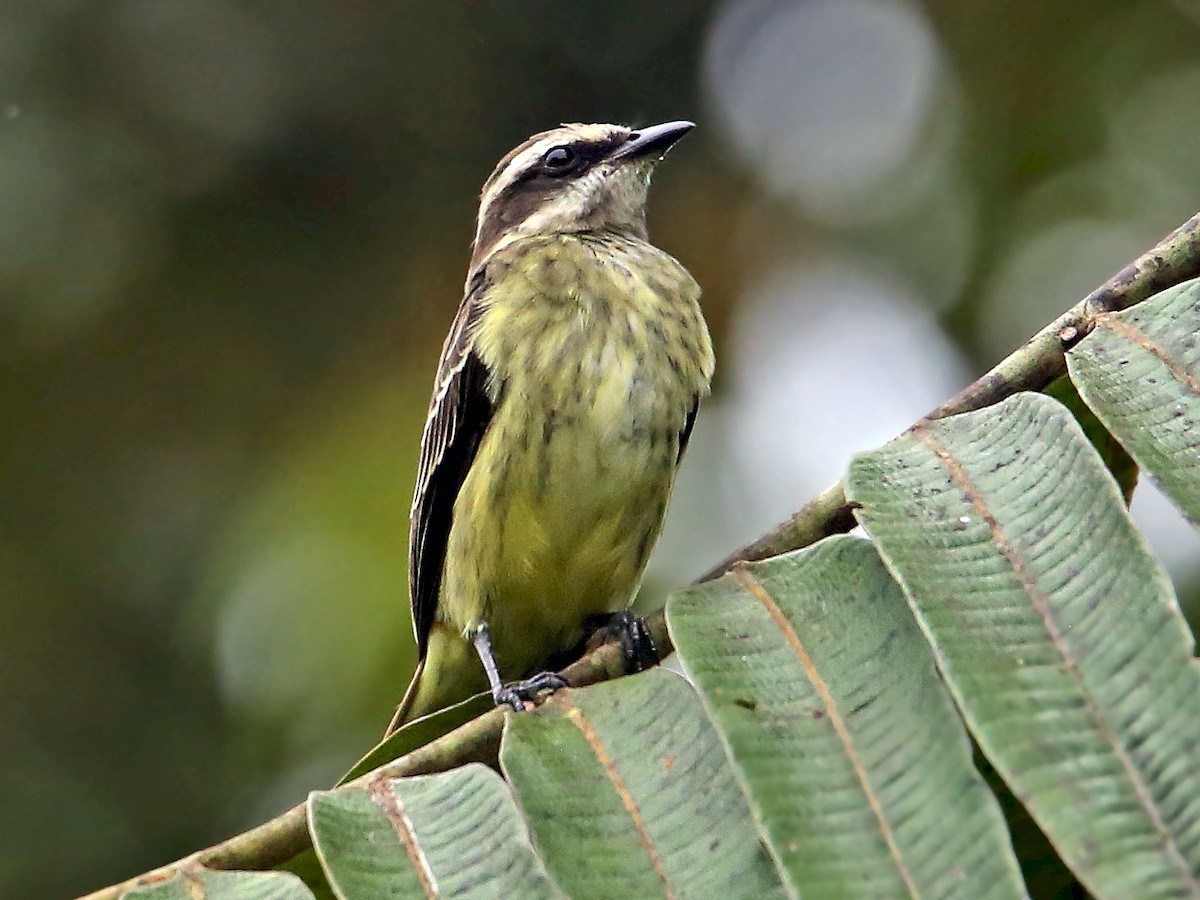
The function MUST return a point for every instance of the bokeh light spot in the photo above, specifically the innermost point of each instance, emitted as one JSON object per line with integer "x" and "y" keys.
{"x": 822, "y": 99}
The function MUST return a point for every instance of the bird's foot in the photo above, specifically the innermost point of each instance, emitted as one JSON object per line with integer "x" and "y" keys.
{"x": 516, "y": 694}
{"x": 638, "y": 652}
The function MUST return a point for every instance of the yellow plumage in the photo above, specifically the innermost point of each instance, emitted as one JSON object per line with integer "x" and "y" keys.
{"x": 599, "y": 352}
{"x": 564, "y": 399}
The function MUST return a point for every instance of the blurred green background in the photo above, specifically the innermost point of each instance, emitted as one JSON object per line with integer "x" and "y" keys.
{"x": 233, "y": 234}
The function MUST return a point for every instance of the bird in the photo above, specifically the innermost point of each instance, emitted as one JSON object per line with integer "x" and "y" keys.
{"x": 565, "y": 395}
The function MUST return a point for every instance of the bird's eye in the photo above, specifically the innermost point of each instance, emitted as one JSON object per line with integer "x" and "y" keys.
{"x": 559, "y": 160}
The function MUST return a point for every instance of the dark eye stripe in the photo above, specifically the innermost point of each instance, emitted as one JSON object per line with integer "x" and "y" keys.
{"x": 588, "y": 153}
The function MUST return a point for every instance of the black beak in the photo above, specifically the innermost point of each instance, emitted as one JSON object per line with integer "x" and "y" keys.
{"x": 653, "y": 141}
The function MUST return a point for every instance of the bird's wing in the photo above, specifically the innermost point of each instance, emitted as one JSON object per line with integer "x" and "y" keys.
{"x": 685, "y": 433}
{"x": 459, "y": 414}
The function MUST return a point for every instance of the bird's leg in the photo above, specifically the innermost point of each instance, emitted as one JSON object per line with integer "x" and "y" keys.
{"x": 515, "y": 693}
{"x": 638, "y": 652}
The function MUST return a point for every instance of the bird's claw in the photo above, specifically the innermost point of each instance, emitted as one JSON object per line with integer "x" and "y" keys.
{"x": 517, "y": 693}
{"x": 638, "y": 652}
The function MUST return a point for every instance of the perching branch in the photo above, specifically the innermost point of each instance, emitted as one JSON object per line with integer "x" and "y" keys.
{"x": 1042, "y": 360}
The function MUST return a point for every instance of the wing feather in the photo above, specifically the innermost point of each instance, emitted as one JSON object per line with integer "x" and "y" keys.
{"x": 459, "y": 414}
{"x": 685, "y": 433}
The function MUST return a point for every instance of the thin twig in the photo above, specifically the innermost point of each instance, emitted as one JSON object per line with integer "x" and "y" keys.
{"x": 1176, "y": 258}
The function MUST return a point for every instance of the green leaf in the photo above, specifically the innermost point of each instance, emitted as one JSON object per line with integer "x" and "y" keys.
{"x": 420, "y": 732}
{"x": 629, "y": 794}
{"x": 456, "y": 834}
{"x": 816, "y": 674}
{"x": 205, "y": 884}
{"x": 1119, "y": 463}
{"x": 1057, "y": 631}
{"x": 1140, "y": 371}
{"x": 307, "y": 868}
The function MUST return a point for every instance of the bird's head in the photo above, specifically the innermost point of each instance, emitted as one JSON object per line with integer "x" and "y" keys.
{"x": 571, "y": 179}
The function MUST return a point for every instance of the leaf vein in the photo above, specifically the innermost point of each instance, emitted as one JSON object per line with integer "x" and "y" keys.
{"x": 1041, "y": 605}
{"x": 385, "y": 798}
{"x": 755, "y": 588}
{"x": 1123, "y": 329}
{"x": 612, "y": 772}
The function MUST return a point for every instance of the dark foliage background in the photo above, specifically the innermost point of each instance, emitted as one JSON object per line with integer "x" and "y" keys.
{"x": 232, "y": 236}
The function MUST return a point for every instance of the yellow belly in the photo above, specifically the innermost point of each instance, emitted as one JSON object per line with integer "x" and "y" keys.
{"x": 599, "y": 354}
{"x": 555, "y": 523}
